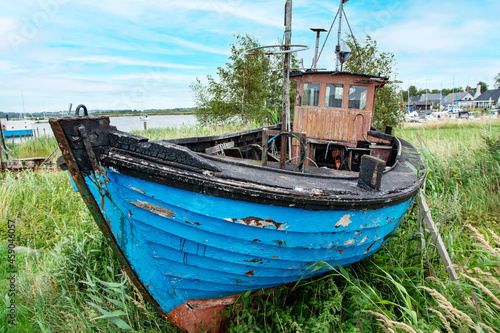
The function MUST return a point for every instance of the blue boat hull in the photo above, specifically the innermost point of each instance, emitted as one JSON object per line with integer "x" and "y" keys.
{"x": 185, "y": 245}
{"x": 17, "y": 133}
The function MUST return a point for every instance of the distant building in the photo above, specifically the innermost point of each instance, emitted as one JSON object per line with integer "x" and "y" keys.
{"x": 488, "y": 99}
{"x": 461, "y": 99}
{"x": 425, "y": 102}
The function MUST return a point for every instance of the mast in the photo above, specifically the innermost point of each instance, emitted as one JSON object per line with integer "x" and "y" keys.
{"x": 285, "y": 125}
{"x": 342, "y": 55}
{"x": 339, "y": 34}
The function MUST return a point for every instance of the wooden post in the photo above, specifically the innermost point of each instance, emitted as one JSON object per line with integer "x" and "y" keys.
{"x": 436, "y": 237}
{"x": 145, "y": 125}
{"x": 265, "y": 137}
{"x": 285, "y": 124}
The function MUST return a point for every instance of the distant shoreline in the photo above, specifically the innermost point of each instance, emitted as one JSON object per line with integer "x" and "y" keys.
{"x": 149, "y": 113}
{"x": 108, "y": 113}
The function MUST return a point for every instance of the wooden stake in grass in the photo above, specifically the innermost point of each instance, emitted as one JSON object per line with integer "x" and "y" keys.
{"x": 436, "y": 237}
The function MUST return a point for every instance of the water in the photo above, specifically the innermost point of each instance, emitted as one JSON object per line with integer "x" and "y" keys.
{"x": 125, "y": 124}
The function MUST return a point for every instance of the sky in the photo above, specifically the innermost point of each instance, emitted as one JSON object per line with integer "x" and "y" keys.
{"x": 145, "y": 54}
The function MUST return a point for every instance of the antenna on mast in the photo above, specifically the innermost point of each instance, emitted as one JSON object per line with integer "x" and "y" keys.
{"x": 344, "y": 53}
{"x": 318, "y": 31}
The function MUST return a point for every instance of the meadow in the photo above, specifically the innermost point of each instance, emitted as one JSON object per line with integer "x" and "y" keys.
{"x": 67, "y": 279}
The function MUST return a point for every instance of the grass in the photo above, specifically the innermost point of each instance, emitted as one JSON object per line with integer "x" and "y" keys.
{"x": 185, "y": 131}
{"x": 40, "y": 147}
{"x": 73, "y": 283}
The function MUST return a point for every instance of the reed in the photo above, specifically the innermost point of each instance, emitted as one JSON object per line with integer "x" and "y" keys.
{"x": 39, "y": 147}
{"x": 185, "y": 131}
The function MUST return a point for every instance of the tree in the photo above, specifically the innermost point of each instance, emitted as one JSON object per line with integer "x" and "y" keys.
{"x": 423, "y": 92}
{"x": 484, "y": 86}
{"x": 249, "y": 88}
{"x": 370, "y": 60}
{"x": 412, "y": 90}
{"x": 447, "y": 91}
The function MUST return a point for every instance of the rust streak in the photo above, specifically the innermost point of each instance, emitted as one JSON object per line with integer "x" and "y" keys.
{"x": 158, "y": 210}
{"x": 368, "y": 249}
{"x": 253, "y": 260}
{"x": 138, "y": 190}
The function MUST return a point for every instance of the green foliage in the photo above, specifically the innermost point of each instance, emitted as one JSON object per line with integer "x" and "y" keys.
{"x": 43, "y": 205}
{"x": 371, "y": 61}
{"x": 465, "y": 167}
{"x": 193, "y": 130}
{"x": 39, "y": 147}
{"x": 247, "y": 88}
{"x": 493, "y": 147}
{"x": 483, "y": 85}
{"x": 412, "y": 91}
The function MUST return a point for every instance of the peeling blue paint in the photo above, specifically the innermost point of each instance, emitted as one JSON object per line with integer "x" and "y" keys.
{"x": 185, "y": 245}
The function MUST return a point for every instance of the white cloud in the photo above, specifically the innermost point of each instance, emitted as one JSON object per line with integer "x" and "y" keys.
{"x": 129, "y": 62}
{"x": 9, "y": 67}
{"x": 7, "y": 26}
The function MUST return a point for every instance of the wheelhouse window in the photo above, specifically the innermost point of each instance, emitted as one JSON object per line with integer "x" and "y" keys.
{"x": 334, "y": 94}
{"x": 357, "y": 97}
{"x": 310, "y": 96}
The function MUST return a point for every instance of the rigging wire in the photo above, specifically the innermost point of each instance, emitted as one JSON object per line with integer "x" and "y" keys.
{"x": 352, "y": 35}
{"x": 355, "y": 43}
{"x": 329, "y": 31}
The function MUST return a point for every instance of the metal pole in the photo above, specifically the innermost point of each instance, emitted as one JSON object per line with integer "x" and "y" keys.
{"x": 285, "y": 125}
{"x": 1, "y": 145}
{"x": 339, "y": 34}
{"x": 315, "y": 60}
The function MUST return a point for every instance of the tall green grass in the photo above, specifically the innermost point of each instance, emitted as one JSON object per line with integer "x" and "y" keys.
{"x": 39, "y": 147}
{"x": 43, "y": 204}
{"x": 464, "y": 163}
{"x": 192, "y": 131}
{"x": 68, "y": 280}
{"x": 73, "y": 282}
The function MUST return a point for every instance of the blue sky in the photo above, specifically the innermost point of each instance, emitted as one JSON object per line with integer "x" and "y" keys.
{"x": 143, "y": 54}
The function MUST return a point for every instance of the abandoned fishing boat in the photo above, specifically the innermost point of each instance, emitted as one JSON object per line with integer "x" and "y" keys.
{"x": 197, "y": 221}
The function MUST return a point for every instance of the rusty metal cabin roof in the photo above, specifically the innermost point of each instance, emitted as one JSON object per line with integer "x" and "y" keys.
{"x": 312, "y": 72}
